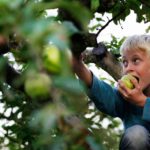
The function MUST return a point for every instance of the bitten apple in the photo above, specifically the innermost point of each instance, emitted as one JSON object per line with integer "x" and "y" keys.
{"x": 127, "y": 81}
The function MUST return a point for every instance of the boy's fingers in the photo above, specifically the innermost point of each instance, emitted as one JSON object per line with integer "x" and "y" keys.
{"x": 122, "y": 88}
{"x": 135, "y": 82}
{"x": 123, "y": 93}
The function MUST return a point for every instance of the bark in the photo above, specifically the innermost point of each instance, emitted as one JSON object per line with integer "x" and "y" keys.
{"x": 104, "y": 59}
{"x": 12, "y": 76}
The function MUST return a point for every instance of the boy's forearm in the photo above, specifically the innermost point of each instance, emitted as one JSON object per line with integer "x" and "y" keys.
{"x": 83, "y": 72}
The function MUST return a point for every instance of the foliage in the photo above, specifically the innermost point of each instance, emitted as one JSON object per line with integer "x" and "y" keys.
{"x": 114, "y": 45}
{"x": 56, "y": 121}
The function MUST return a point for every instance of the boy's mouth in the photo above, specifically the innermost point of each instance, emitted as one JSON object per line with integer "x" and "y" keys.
{"x": 136, "y": 78}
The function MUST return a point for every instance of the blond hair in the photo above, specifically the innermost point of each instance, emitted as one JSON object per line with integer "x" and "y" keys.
{"x": 136, "y": 42}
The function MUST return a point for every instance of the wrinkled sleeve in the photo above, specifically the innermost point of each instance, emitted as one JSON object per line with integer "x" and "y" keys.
{"x": 146, "y": 110}
{"x": 106, "y": 98}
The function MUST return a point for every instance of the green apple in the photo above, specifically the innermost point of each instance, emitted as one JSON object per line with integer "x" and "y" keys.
{"x": 127, "y": 81}
{"x": 38, "y": 85}
{"x": 52, "y": 59}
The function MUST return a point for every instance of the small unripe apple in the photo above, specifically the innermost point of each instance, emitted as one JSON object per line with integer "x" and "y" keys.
{"x": 127, "y": 81}
{"x": 52, "y": 59}
{"x": 38, "y": 85}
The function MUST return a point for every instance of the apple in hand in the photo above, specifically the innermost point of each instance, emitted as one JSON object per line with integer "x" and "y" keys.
{"x": 38, "y": 85}
{"x": 126, "y": 79}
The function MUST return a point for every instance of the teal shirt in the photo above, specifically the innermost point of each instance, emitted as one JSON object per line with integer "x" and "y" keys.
{"x": 108, "y": 100}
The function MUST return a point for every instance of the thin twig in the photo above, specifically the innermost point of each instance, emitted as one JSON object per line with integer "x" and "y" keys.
{"x": 109, "y": 21}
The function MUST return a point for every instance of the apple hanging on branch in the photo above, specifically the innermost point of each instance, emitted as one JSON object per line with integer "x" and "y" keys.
{"x": 52, "y": 59}
{"x": 38, "y": 85}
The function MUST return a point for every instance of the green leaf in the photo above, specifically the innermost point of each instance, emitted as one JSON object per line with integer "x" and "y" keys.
{"x": 70, "y": 27}
{"x": 46, "y": 118}
{"x": 93, "y": 144}
{"x": 94, "y": 5}
{"x": 69, "y": 85}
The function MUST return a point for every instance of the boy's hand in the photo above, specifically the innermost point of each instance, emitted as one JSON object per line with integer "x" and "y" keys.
{"x": 76, "y": 61}
{"x": 134, "y": 95}
{"x": 82, "y": 70}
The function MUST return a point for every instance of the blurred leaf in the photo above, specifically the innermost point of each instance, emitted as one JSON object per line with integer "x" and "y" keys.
{"x": 47, "y": 118}
{"x": 70, "y": 28}
{"x": 94, "y": 4}
{"x": 69, "y": 84}
{"x": 93, "y": 144}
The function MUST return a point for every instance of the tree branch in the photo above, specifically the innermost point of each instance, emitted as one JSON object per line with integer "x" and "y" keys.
{"x": 145, "y": 2}
{"x": 104, "y": 59}
{"x": 109, "y": 21}
{"x": 80, "y": 41}
{"x": 11, "y": 77}
{"x": 14, "y": 75}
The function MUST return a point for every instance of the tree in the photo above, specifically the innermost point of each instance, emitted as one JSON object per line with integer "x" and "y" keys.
{"x": 44, "y": 106}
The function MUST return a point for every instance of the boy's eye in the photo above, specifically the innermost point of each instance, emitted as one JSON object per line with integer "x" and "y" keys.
{"x": 136, "y": 60}
{"x": 125, "y": 63}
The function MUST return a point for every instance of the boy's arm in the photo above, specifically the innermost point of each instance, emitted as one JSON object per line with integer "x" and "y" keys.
{"x": 146, "y": 110}
{"x": 103, "y": 95}
{"x": 82, "y": 71}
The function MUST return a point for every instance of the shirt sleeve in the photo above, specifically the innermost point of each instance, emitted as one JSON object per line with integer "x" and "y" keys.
{"x": 106, "y": 98}
{"x": 146, "y": 110}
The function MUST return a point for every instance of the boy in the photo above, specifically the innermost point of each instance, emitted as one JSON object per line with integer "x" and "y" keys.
{"x": 131, "y": 105}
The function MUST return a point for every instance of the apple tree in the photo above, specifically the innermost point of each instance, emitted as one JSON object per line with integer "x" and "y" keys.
{"x": 42, "y": 103}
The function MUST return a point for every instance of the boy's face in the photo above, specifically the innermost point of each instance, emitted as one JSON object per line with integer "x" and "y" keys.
{"x": 137, "y": 63}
